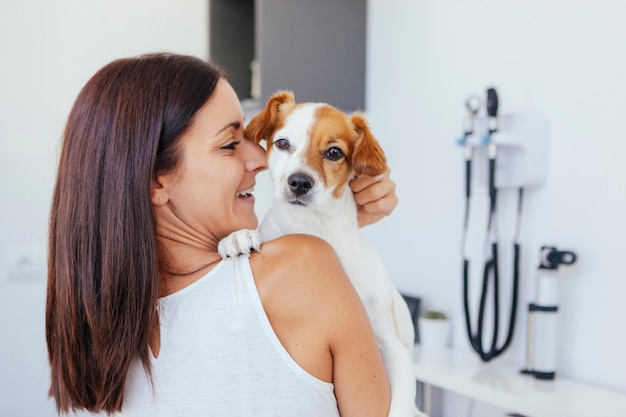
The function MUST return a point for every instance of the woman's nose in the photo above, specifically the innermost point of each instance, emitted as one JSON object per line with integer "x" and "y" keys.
{"x": 255, "y": 157}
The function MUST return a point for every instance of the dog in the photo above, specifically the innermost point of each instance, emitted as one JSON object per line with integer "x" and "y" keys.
{"x": 313, "y": 151}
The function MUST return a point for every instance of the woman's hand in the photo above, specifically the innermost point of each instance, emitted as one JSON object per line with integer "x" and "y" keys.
{"x": 375, "y": 197}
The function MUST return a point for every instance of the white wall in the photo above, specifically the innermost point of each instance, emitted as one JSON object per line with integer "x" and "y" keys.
{"x": 565, "y": 59}
{"x": 48, "y": 50}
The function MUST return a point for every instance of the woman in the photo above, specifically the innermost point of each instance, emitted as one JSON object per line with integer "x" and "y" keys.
{"x": 142, "y": 316}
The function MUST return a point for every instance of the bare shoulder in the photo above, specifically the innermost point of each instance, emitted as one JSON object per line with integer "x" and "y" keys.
{"x": 306, "y": 296}
{"x": 301, "y": 244}
{"x": 320, "y": 320}
{"x": 298, "y": 265}
{"x": 293, "y": 251}
{"x": 300, "y": 280}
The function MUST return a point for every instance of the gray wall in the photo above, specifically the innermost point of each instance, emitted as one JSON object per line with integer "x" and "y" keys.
{"x": 315, "y": 48}
{"x": 231, "y": 40}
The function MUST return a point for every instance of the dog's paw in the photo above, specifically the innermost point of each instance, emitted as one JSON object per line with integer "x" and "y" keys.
{"x": 241, "y": 242}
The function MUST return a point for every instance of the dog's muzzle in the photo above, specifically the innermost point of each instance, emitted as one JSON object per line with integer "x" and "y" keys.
{"x": 299, "y": 186}
{"x": 300, "y": 183}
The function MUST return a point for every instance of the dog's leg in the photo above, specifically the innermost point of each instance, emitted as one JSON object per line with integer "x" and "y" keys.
{"x": 405, "y": 329}
{"x": 400, "y": 370}
{"x": 241, "y": 242}
{"x": 398, "y": 359}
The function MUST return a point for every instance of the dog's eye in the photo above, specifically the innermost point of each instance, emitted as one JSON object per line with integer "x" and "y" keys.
{"x": 334, "y": 154}
{"x": 282, "y": 143}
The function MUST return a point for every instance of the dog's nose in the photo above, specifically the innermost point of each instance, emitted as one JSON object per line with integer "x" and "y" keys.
{"x": 300, "y": 184}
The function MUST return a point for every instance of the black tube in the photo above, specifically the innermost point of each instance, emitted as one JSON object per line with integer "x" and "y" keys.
{"x": 468, "y": 324}
{"x": 468, "y": 173}
{"x": 496, "y": 299}
{"x": 514, "y": 297}
{"x": 492, "y": 184}
{"x": 478, "y": 338}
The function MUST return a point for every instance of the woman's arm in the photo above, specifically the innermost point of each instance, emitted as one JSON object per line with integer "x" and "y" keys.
{"x": 320, "y": 320}
{"x": 361, "y": 383}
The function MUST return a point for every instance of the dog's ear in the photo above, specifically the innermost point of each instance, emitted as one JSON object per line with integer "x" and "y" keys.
{"x": 368, "y": 157}
{"x": 263, "y": 124}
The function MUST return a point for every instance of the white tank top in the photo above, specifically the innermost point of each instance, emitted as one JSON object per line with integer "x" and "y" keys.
{"x": 219, "y": 356}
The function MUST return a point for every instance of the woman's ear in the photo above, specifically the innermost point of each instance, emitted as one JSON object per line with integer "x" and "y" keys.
{"x": 159, "y": 195}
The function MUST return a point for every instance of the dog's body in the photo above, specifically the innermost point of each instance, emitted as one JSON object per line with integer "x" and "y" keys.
{"x": 313, "y": 152}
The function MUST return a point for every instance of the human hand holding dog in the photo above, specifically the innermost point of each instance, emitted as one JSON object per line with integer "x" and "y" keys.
{"x": 375, "y": 197}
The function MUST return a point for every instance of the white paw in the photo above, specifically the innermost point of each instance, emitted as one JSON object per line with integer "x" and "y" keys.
{"x": 241, "y": 242}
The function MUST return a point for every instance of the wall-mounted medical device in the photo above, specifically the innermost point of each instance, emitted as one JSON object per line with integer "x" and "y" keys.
{"x": 500, "y": 151}
{"x": 522, "y": 141}
{"x": 542, "y": 325}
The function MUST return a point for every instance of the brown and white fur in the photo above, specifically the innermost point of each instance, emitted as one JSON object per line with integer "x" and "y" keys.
{"x": 313, "y": 150}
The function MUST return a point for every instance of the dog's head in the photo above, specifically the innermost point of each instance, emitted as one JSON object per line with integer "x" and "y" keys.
{"x": 314, "y": 149}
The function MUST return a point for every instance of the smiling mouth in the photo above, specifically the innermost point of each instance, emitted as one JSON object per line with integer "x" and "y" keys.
{"x": 245, "y": 193}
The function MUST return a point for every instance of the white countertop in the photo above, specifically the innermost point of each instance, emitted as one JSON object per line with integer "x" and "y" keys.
{"x": 501, "y": 384}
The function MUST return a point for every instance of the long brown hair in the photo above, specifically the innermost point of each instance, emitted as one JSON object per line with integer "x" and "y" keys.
{"x": 103, "y": 264}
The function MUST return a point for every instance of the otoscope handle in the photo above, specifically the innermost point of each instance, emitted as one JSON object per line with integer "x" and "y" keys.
{"x": 491, "y": 152}
{"x": 492, "y": 102}
{"x": 492, "y": 109}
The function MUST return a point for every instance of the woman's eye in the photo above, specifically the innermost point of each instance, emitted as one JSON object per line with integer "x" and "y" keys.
{"x": 232, "y": 145}
{"x": 334, "y": 154}
{"x": 282, "y": 143}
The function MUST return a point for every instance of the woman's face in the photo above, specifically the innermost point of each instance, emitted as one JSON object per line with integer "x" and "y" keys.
{"x": 209, "y": 195}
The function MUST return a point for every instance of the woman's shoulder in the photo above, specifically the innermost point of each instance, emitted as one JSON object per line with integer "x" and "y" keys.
{"x": 296, "y": 241}
{"x": 303, "y": 289}
{"x": 320, "y": 320}
{"x": 296, "y": 257}
{"x": 299, "y": 268}
{"x": 295, "y": 247}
